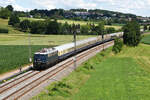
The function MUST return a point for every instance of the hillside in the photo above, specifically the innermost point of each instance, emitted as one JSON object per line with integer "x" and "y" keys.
{"x": 80, "y": 14}
{"x": 84, "y": 14}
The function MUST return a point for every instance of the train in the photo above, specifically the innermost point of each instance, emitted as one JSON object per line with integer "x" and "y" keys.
{"x": 48, "y": 57}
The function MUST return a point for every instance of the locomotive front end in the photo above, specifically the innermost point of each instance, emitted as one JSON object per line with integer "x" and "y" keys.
{"x": 45, "y": 58}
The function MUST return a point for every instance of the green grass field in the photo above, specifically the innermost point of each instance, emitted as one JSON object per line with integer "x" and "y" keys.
{"x": 116, "y": 79}
{"x": 31, "y": 19}
{"x": 16, "y": 37}
{"x": 22, "y": 39}
{"x": 4, "y": 24}
{"x": 124, "y": 76}
{"x": 121, "y": 77}
{"x": 14, "y": 56}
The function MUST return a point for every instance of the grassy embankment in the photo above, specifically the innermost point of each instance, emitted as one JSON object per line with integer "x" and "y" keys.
{"x": 106, "y": 76}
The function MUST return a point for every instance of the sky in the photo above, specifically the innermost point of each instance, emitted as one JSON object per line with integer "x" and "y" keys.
{"x": 138, "y": 7}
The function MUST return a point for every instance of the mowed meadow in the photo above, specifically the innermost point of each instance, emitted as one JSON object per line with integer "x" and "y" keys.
{"x": 124, "y": 76}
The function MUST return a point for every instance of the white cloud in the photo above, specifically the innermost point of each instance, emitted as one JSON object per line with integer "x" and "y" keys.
{"x": 47, "y": 4}
{"x": 20, "y": 8}
{"x": 6, "y": 2}
{"x": 139, "y": 7}
{"x": 15, "y": 5}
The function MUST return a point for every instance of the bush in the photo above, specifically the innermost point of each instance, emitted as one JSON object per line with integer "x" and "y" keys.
{"x": 60, "y": 87}
{"x": 110, "y": 30}
{"x": 3, "y": 30}
{"x": 24, "y": 25}
{"x": 38, "y": 27}
{"x": 88, "y": 66}
{"x": 85, "y": 30}
{"x": 65, "y": 28}
{"x": 53, "y": 27}
{"x": 14, "y": 19}
{"x": 117, "y": 46}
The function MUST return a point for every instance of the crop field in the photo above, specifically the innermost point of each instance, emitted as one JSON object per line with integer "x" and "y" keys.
{"x": 14, "y": 56}
{"x": 106, "y": 76}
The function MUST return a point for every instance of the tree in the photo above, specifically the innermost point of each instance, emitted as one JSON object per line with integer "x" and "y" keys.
{"x": 132, "y": 35}
{"x": 74, "y": 28}
{"x": 100, "y": 29}
{"x": 4, "y": 13}
{"x": 65, "y": 28}
{"x": 14, "y": 19}
{"x": 85, "y": 30}
{"x": 52, "y": 27}
{"x": 10, "y": 8}
{"x": 38, "y": 27}
{"x": 24, "y": 25}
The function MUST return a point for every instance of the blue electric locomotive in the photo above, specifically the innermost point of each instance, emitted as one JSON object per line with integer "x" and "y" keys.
{"x": 45, "y": 58}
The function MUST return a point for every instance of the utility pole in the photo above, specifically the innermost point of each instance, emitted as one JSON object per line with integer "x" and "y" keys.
{"x": 29, "y": 39}
{"x": 103, "y": 40}
{"x": 75, "y": 50}
{"x": 30, "y": 57}
{"x": 75, "y": 30}
{"x": 74, "y": 33}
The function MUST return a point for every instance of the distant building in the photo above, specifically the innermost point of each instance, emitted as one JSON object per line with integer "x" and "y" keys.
{"x": 82, "y": 13}
{"x": 144, "y": 19}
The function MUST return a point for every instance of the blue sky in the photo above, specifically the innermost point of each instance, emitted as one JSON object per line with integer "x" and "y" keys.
{"x": 138, "y": 7}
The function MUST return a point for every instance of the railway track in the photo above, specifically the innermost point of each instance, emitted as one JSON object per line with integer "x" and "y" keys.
{"x": 21, "y": 85}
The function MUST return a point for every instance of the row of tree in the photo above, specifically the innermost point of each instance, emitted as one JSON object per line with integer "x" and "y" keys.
{"x": 53, "y": 27}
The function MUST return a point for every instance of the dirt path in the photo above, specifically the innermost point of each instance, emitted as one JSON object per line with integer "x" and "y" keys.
{"x": 8, "y": 74}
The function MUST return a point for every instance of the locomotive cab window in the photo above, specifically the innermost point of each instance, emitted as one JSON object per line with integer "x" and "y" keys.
{"x": 39, "y": 57}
